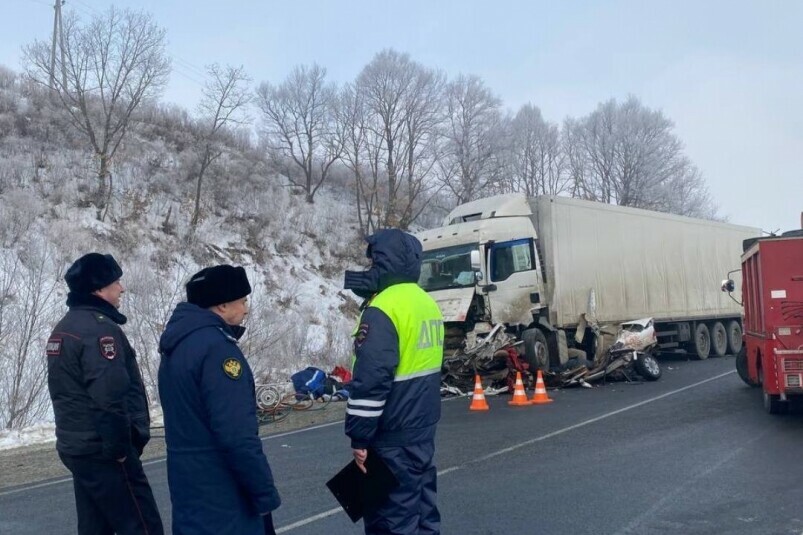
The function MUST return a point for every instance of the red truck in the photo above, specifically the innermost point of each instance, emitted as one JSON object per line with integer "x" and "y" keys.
{"x": 772, "y": 295}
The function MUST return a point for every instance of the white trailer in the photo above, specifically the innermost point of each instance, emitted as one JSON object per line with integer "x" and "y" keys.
{"x": 547, "y": 267}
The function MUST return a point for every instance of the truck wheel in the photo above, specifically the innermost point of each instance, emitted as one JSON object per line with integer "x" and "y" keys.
{"x": 741, "y": 367}
{"x": 647, "y": 367}
{"x": 734, "y": 329}
{"x": 536, "y": 350}
{"x": 773, "y": 404}
{"x": 719, "y": 339}
{"x": 702, "y": 342}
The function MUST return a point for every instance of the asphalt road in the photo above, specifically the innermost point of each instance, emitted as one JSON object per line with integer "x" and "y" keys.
{"x": 691, "y": 453}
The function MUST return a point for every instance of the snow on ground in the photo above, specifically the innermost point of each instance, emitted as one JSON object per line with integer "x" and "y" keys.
{"x": 35, "y": 434}
{"x": 46, "y": 432}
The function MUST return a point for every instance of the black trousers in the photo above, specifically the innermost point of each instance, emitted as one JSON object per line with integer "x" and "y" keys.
{"x": 112, "y": 497}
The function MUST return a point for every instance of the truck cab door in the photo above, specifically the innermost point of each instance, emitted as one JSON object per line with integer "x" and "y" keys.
{"x": 514, "y": 282}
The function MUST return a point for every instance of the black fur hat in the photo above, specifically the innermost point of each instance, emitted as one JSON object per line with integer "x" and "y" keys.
{"x": 92, "y": 272}
{"x": 217, "y": 285}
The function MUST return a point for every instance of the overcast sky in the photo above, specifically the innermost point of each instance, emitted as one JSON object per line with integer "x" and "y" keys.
{"x": 729, "y": 74}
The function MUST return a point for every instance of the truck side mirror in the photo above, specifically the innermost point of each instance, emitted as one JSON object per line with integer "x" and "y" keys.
{"x": 728, "y": 285}
{"x": 475, "y": 261}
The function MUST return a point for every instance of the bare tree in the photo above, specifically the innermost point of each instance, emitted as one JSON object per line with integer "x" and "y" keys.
{"x": 403, "y": 102}
{"x": 150, "y": 298}
{"x": 577, "y": 166}
{"x": 591, "y": 143}
{"x": 627, "y": 154}
{"x": 538, "y": 162}
{"x": 686, "y": 193}
{"x": 358, "y": 140}
{"x": 420, "y": 142}
{"x": 385, "y": 82}
{"x": 113, "y": 64}
{"x": 225, "y": 98}
{"x": 28, "y": 309}
{"x": 470, "y": 155}
{"x": 299, "y": 123}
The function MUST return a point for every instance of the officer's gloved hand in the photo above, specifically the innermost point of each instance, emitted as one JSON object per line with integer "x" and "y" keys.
{"x": 140, "y": 436}
{"x": 268, "y": 519}
{"x": 139, "y": 446}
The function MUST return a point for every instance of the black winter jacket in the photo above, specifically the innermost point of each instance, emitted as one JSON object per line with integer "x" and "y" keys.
{"x": 98, "y": 396}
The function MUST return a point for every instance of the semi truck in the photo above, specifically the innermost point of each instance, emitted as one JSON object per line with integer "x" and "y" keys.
{"x": 545, "y": 270}
{"x": 772, "y": 294}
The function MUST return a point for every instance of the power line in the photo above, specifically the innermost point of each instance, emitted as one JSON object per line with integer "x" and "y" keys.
{"x": 90, "y": 8}
{"x": 80, "y": 9}
{"x": 185, "y": 74}
{"x": 40, "y": 2}
{"x": 189, "y": 66}
{"x": 182, "y": 67}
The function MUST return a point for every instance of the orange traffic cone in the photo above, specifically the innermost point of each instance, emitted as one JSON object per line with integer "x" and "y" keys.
{"x": 540, "y": 396}
{"x": 519, "y": 396}
{"x": 478, "y": 402}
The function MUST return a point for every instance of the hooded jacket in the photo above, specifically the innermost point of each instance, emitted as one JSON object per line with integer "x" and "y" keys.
{"x": 394, "y": 397}
{"x": 219, "y": 478}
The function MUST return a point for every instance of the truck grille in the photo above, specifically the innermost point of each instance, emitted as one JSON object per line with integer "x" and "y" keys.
{"x": 792, "y": 365}
{"x": 793, "y": 381}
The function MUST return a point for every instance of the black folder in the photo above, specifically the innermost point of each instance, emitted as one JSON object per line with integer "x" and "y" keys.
{"x": 357, "y": 492}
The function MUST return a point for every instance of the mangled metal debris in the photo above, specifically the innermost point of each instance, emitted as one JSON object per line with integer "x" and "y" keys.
{"x": 496, "y": 359}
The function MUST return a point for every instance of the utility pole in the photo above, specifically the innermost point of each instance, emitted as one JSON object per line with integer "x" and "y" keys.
{"x": 58, "y": 35}
{"x": 61, "y": 44}
{"x": 56, "y": 12}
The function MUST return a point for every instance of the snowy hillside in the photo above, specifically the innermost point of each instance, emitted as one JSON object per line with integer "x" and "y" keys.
{"x": 294, "y": 252}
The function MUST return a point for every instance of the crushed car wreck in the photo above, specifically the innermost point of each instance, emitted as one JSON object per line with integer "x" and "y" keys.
{"x": 632, "y": 352}
{"x": 496, "y": 358}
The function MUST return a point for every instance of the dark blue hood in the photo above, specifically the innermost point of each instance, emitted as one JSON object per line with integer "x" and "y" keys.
{"x": 395, "y": 258}
{"x": 188, "y": 318}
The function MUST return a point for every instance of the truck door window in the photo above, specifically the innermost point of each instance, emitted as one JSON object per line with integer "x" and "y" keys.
{"x": 510, "y": 257}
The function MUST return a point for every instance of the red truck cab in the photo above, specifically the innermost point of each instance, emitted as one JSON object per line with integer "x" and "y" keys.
{"x": 772, "y": 294}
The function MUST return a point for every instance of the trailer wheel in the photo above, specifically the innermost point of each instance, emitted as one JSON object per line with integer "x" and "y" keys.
{"x": 647, "y": 366}
{"x": 702, "y": 341}
{"x": 741, "y": 367}
{"x": 719, "y": 339}
{"x": 536, "y": 350}
{"x": 734, "y": 329}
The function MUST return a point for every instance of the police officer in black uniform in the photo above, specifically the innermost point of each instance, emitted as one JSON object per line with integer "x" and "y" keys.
{"x": 100, "y": 405}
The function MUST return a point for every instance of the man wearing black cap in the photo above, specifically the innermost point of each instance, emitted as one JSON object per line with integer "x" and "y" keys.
{"x": 99, "y": 401}
{"x": 219, "y": 478}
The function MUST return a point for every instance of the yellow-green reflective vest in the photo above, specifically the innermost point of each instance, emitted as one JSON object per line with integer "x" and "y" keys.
{"x": 419, "y": 325}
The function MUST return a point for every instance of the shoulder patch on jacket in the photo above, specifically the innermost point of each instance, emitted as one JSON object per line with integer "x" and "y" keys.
{"x": 232, "y": 368}
{"x": 53, "y": 347}
{"x": 362, "y": 334}
{"x": 108, "y": 347}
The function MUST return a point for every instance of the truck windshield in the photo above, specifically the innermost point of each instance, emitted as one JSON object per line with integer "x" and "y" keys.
{"x": 449, "y": 267}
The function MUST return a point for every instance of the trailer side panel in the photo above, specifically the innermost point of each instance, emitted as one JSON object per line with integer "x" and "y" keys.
{"x": 639, "y": 263}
